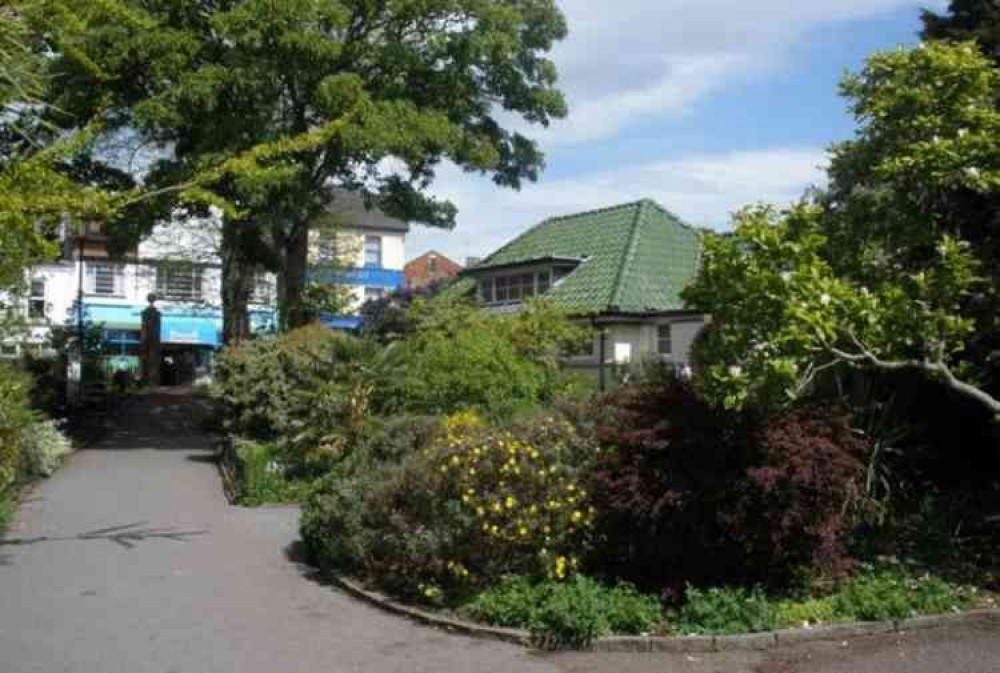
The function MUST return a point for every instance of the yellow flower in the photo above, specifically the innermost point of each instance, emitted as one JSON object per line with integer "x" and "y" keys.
{"x": 497, "y": 507}
{"x": 577, "y": 516}
{"x": 523, "y": 531}
{"x": 510, "y": 502}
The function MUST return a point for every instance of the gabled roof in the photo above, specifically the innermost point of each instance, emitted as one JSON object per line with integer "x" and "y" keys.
{"x": 352, "y": 212}
{"x": 636, "y": 258}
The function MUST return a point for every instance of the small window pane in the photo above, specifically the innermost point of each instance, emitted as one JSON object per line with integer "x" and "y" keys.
{"x": 104, "y": 279}
{"x": 503, "y": 289}
{"x": 36, "y": 300}
{"x": 664, "y": 340}
{"x": 374, "y": 293}
{"x": 486, "y": 290}
{"x": 543, "y": 282}
{"x": 373, "y": 251}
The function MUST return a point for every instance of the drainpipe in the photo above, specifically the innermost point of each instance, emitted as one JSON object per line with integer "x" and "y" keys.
{"x": 602, "y": 354}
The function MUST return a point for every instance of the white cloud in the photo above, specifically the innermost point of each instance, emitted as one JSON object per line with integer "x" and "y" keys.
{"x": 631, "y": 59}
{"x": 701, "y": 189}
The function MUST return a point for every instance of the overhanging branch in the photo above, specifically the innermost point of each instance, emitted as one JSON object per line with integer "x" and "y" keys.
{"x": 936, "y": 369}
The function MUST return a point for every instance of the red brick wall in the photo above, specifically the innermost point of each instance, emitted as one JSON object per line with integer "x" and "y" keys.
{"x": 430, "y": 267}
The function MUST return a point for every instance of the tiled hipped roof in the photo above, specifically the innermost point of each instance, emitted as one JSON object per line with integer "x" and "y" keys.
{"x": 637, "y": 258}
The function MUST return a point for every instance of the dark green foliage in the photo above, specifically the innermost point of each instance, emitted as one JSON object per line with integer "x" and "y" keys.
{"x": 720, "y": 611}
{"x": 451, "y": 515}
{"x": 570, "y": 613}
{"x": 964, "y": 20}
{"x": 7, "y": 510}
{"x": 891, "y": 593}
{"x": 459, "y": 358}
{"x": 260, "y": 476}
{"x": 16, "y": 416}
{"x": 308, "y": 391}
{"x": 266, "y": 104}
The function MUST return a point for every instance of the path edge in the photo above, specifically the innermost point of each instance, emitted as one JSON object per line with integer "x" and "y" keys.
{"x": 753, "y": 642}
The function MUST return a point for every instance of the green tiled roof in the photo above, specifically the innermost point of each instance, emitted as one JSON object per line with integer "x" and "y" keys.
{"x": 637, "y": 258}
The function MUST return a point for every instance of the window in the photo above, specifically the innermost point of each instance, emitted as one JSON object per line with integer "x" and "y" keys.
{"x": 263, "y": 289}
{"x": 486, "y": 290}
{"x": 327, "y": 248}
{"x": 179, "y": 282}
{"x": 665, "y": 340}
{"x": 432, "y": 264}
{"x": 503, "y": 289}
{"x": 374, "y": 293}
{"x": 36, "y": 300}
{"x": 373, "y": 251}
{"x": 8, "y": 350}
{"x": 105, "y": 279}
{"x": 544, "y": 282}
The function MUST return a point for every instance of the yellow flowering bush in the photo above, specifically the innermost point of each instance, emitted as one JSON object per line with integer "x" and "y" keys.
{"x": 518, "y": 501}
{"x": 473, "y": 505}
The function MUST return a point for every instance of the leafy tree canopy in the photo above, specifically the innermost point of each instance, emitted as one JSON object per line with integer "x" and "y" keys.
{"x": 880, "y": 272}
{"x": 264, "y": 106}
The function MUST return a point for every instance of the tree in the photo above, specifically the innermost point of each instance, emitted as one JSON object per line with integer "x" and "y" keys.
{"x": 268, "y": 105}
{"x": 966, "y": 20}
{"x": 36, "y": 178}
{"x": 879, "y": 272}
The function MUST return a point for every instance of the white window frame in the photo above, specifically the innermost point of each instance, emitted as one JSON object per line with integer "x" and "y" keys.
{"x": 171, "y": 283}
{"x": 263, "y": 290}
{"x": 37, "y": 300}
{"x": 513, "y": 288}
{"x": 91, "y": 286}
{"x": 667, "y": 354}
{"x": 376, "y": 251}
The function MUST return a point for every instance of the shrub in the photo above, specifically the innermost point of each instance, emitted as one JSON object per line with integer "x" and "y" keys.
{"x": 719, "y": 611}
{"x": 571, "y": 615}
{"x": 805, "y": 613}
{"x": 7, "y": 510}
{"x": 309, "y": 392}
{"x": 573, "y": 612}
{"x": 459, "y": 357}
{"x": 689, "y": 493}
{"x": 510, "y": 604}
{"x": 15, "y": 417}
{"x": 473, "y": 506}
{"x": 894, "y": 594}
{"x": 262, "y": 477}
{"x": 44, "y": 449}
{"x": 668, "y": 466}
{"x": 791, "y": 512}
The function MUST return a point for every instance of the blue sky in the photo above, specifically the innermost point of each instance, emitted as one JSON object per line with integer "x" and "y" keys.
{"x": 702, "y": 105}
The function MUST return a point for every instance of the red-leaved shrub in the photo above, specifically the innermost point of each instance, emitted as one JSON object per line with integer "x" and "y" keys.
{"x": 791, "y": 511}
{"x": 687, "y": 493}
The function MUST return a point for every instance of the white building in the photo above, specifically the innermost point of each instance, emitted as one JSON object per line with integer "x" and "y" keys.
{"x": 179, "y": 262}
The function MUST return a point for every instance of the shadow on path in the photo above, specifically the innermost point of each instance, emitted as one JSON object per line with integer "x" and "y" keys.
{"x": 127, "y": 536}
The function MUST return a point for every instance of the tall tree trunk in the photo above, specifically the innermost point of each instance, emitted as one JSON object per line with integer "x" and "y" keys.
{"x": 292, "y": 309}
{"x": 238, "y": 271}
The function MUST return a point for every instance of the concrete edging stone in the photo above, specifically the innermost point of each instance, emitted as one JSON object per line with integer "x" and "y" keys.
{"x": 752, "y": 642}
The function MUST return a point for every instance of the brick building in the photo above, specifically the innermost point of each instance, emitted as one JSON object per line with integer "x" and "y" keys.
{"x": 430, "y": 267}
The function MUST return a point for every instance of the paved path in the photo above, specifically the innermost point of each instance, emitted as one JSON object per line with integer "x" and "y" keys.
{"x": 129, "y": 560}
